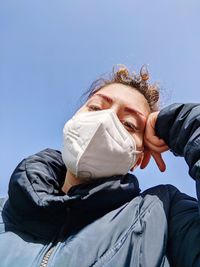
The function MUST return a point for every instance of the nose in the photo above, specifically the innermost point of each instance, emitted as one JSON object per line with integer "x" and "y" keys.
{"x": 116, "y": 109}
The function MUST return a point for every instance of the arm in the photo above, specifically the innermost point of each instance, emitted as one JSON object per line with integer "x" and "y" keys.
{"x": 179, "y": 126}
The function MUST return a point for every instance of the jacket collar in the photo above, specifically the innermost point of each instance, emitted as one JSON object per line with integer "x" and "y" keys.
{"x": 35, "y": 190}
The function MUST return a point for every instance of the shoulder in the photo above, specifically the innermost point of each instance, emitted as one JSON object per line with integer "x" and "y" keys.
{"x": 163, "y": 191}
{"x": 172, "y": 199}
{"x": 3, "y": 201}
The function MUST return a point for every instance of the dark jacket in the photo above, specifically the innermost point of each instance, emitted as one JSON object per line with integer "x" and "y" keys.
{"x": 108, "y": 222}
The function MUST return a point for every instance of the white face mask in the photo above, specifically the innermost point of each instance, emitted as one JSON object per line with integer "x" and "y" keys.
{"x": 96, "y": 144}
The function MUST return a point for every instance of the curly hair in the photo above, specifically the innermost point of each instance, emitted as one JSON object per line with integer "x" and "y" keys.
{"x": 139, "y": 82}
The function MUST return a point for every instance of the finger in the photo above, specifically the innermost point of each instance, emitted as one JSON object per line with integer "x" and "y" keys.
{"x": 150, "y": 134}
{"x": 155, "y": 145}
{"x": 160, "y": 149}
{"x": 152, "y": 138}
{"x": 159, "y": 161}
{"x": 150, "y": 130}
{"x": 146, "y": 159}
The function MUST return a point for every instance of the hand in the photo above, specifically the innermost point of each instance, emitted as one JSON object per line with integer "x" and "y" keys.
{"x": 153, "y": 145}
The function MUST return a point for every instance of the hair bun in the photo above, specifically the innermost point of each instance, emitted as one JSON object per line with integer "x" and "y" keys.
{"x": 144, "y": 73}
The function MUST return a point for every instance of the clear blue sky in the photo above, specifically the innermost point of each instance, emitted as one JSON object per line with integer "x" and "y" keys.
{"x": 51, "y": 51}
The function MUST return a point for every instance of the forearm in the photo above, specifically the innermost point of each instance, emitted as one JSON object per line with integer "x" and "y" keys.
{"x": 179, "y": 126}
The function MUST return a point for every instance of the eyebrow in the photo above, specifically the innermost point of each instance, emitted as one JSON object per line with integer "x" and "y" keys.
{"x": 128, "y": 109}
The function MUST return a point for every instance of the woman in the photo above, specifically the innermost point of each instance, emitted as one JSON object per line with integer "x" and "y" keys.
{"x": 84, "y": 208}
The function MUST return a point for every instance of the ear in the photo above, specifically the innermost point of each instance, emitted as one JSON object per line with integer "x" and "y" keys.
{"x": 139, "y": 161}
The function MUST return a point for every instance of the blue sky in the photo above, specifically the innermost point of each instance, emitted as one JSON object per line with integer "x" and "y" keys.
{"x": 51, "y": 51}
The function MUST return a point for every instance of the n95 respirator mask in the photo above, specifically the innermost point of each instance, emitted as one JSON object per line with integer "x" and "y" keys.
{"x": 96, "y": 145}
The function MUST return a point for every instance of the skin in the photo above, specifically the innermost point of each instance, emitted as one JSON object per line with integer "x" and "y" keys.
{"x": 140, "y": 123}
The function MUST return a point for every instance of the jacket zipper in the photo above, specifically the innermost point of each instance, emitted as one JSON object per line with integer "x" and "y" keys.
{"x": 46, "y": 257}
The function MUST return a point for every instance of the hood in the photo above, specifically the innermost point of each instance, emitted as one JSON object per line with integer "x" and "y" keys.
{"x": 38, "y": 205}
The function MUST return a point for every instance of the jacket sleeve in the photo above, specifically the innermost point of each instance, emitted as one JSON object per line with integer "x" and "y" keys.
{"x": 179, "y": 126}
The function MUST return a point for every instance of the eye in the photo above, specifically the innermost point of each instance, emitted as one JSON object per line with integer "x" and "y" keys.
{"x": 93, "y": 108}
{"x": 130, "y": 127}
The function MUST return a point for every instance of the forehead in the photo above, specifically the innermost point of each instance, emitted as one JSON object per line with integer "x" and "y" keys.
{"x": 124, "y": 95}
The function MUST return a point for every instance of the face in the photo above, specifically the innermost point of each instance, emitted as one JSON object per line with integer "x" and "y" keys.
{"x": 130, "y": 106}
